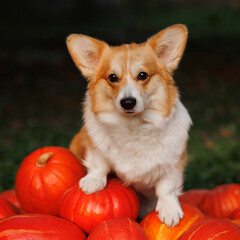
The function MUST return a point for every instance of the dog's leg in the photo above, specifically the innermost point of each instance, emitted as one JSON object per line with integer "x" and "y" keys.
{"x": 96, "y": 178}
{"x": 167, "y": 190}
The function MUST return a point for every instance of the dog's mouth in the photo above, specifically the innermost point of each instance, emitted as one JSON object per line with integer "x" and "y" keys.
{"x": 131, "y": 113}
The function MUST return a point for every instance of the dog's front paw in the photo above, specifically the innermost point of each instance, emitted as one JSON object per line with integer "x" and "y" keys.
{"x": 91, "y": 185}
{"x": 169, "y": 211}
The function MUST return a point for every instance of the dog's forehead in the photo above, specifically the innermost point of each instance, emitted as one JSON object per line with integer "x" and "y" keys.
{"x": 132, "y": 50}
{"x": 134, "y": 56}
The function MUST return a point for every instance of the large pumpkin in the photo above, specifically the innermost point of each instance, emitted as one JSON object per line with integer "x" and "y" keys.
{"x": 116, "y": 200}
{"x": 44, "y": 176}
{"x": 7, "y": 208}
{"x": 118, "y": 229}
{"x": 156, "y": 230}
{"x": 212, "y": 229}
{"x": 221, "y": 201}
{"x": 39, "y": 226}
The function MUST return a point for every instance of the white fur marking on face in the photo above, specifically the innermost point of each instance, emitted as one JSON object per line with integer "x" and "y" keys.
{"x": 128, "y": 63}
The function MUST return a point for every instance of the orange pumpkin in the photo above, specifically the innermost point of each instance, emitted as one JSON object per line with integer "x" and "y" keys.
{"x": 116, "y": 200}
{"x": 212, "y": 229}
{"x": 44, "y": 176}
{"x": 221, "y": 201}
{"x": 156, "y": 230}
{"x": 118, "y": 229}
{"x": 39, "y": 226}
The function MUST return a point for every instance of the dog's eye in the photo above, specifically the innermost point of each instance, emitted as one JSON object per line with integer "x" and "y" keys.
{"x": 112, "y": 78}
{"x": 142, "y": 76}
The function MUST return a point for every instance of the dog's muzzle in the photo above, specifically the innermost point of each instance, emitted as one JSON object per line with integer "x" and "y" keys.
{"x": 129, "y": 101}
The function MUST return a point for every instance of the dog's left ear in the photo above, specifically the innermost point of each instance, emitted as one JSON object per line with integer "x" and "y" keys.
{"x": 169, "y": 45}
{"x": 85, "y": 52}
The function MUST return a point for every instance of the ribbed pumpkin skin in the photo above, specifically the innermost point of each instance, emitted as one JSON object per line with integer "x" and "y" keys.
{"x": 156, "y": 230}
{"x": 7, "y": 208}
{"x": 221, "y": 201}
{"x": 118, "y": 229}
{"x": 39, "y": 189}
{"x": 87, "y": 211}
{"x": 212, "y": 229}
{"x": 39, "y": 226}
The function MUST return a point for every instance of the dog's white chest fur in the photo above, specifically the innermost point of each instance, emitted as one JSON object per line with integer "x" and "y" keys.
{"x": 139, "y": 149}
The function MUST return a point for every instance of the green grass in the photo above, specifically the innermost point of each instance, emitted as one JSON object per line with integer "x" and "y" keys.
{"x": 214, "y": 144}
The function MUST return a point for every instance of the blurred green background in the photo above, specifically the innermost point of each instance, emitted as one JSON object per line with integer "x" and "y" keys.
{"x": 41, "y": 90}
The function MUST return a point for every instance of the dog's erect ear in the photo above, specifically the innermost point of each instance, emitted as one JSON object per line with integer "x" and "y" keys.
{"x": 85, "y": 52}
{"x": 169, "y": 45}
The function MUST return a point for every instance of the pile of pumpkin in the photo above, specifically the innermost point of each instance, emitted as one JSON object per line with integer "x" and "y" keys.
{"x": 47, "y": 203}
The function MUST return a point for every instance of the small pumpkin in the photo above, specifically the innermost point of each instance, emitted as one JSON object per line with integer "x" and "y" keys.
{"x": 221, "y": 201}
{"x": 212, "y": 229}
{"x": 116, "y": 200}
{"x": 39, "y": 226}
{"x": 44, "y": 176}
{"x": 116, "y": 229}
{"x": 156, "y": 230}
{"x": 7, "y": 208}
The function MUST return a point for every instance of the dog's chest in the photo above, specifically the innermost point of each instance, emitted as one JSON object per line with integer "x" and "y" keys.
{"x": 138, "y": 153}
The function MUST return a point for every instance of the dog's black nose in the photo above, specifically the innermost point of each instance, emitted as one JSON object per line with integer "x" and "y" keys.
{"x": 128, "y": 103}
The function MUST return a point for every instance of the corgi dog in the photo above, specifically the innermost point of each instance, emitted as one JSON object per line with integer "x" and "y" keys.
{"x": 134, "y": 122}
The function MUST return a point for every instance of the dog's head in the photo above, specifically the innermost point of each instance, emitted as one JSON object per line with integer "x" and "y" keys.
{"x": 130, "y": 79}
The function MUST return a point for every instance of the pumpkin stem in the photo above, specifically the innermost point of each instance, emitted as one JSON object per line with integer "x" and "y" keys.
{"x": 42, "y": 160}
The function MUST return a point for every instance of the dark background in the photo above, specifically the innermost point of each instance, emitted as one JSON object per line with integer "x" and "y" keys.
{"x": 41, "y": 90}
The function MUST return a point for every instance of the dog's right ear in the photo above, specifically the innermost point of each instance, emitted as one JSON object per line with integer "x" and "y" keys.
{"x": 169, "y": 45}
{"x": 85, "y": 52}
